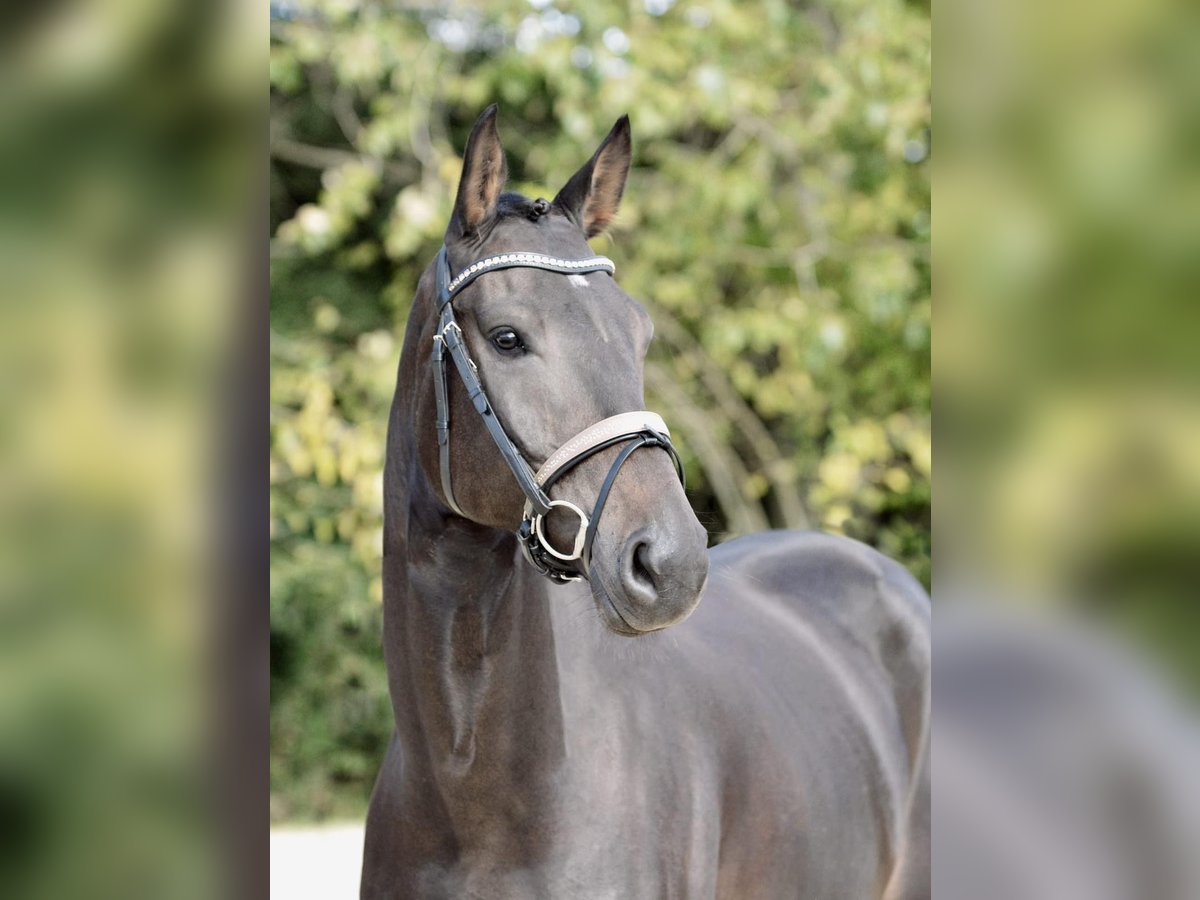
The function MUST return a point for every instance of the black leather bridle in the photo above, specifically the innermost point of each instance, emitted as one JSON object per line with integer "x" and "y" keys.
{"x": 633, "y": 429}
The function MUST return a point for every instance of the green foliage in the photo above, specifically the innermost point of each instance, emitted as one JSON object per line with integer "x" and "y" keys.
{"x": 776, "y": 225}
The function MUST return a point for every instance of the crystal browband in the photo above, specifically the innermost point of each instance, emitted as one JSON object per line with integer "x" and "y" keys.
{"x": 528, "y": 260}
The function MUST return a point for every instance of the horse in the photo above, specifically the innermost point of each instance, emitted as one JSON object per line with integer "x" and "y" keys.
{"x": 588, "y": 702}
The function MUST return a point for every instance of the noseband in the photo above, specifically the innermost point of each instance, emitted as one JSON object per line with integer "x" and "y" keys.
{"x": 633, "y": 429}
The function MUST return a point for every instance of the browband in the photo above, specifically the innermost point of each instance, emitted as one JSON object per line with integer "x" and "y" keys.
{"x": 528, "y": 261}
{"x": 634, "y": 429}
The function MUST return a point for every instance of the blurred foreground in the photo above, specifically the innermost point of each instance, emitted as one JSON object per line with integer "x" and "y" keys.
{"x": 132, "y": 595}
{"x": 1067, "y": 623}
{"x": 1063, "y": 770}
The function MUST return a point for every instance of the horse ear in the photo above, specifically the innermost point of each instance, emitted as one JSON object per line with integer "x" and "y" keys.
{"x": 593, "y": 194}
{"x": 485, "y": 170}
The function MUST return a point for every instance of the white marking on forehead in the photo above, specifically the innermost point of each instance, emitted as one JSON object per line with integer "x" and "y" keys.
{"x": 578, "y": 280}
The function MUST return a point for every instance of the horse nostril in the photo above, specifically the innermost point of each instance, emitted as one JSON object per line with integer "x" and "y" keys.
{"x": 659, "y": 579}
{"x": 660, "y": 576}
{"x": 641, "y": 567}
{"x": 638, "y": 573}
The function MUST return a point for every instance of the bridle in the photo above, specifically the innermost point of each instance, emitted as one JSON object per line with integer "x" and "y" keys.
{"x": 633, "y": 429}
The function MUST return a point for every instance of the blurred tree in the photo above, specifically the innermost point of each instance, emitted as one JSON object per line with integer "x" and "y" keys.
{"x": 776, "y": 225}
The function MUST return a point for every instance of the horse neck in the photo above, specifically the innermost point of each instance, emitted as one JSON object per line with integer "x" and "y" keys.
{"x": 468, "y": 636}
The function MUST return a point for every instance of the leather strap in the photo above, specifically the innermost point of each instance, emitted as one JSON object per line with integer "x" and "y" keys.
{"x": 642, "y": 440}
{"x": 591, "y": 440}
{"x": 441, "y": 389}
{"x": 452, "y": 339}
{"x": 625, "y": 423}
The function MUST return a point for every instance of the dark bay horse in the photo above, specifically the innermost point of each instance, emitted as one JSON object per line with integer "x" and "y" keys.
{"x": 552, "y": 740}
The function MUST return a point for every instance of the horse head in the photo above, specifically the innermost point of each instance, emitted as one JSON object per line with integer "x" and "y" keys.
{"x": 549, "y": 347}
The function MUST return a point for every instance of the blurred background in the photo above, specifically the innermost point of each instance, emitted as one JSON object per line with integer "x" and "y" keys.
{"x": 775, "y": 224}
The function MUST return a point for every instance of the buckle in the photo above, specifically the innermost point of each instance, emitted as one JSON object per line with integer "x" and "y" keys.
{"x": 441, "y": 335}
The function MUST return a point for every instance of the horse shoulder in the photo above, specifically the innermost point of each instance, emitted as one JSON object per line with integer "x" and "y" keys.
{"x": 871, "y": 621}
{"x": 841, "y": 588}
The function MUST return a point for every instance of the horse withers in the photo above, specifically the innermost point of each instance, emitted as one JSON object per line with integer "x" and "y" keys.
{"x": 571, "y": 721}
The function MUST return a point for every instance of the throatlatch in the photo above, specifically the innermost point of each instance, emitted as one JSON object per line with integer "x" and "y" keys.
{"x": 633, "y": 429}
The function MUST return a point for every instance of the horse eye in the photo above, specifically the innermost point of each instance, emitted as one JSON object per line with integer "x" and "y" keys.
{"x": 506, "y": 339}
